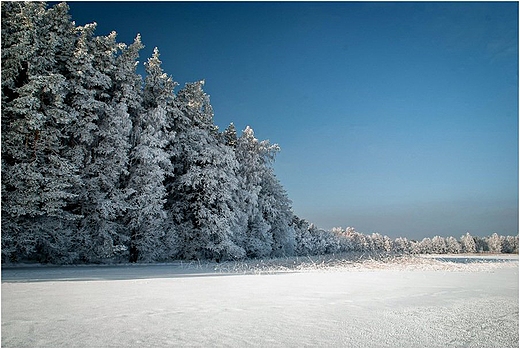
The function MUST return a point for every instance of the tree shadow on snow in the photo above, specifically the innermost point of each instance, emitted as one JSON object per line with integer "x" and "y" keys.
{"x": 42, "y": 273}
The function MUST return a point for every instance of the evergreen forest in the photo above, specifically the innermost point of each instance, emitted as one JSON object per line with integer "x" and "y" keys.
{"x": 100, "y": 164}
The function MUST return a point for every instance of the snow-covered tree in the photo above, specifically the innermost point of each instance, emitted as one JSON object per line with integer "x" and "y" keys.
{"x": 452, "y": 245}
{"x": 304, "y": 240}
{"x": 509, "y": 244}
{"x": 202, "y": 193}
{"x": 102, "y": 74}
{"x": 360, "y": 242}
{"x": 37, "y": 173}
{"x": 310, "y": 240}
{"x": 481, "y": 244}
{"x": 266, "y": 204}
{"x": 343, "y": 238}
{"x": 229, "y": 136}
{"x": 254, "y": 158}
{"x": 381, "y": 243}
{"x": 438, "y": 245}
{"x": 149, "y": 165}
{"x": 401, "y": 245}
{"x": 415, "y": 247}
{"x": 467, "y": 244}
{"x": 426, "y": 245}
{"x": 494, "y": 243}
{"x": 276, "y": 209}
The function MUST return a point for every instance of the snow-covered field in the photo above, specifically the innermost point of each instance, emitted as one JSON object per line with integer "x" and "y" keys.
{"x": 434, "y": 301}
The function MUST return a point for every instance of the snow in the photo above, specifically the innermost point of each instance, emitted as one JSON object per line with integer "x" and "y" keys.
{"x": 306, "y": 302}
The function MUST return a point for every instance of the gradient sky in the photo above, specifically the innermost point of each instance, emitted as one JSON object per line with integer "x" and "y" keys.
{"x": 397, "y": 118}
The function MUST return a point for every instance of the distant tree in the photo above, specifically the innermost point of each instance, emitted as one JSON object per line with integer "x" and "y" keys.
{"x": 343, "y": 238}
{"x": 322, "y": 241}
{"x": 401, "y": 245}
{"x": 494, "y": 243}
{"x": 509, "y": 244}
{"x": 438, "y": 245}
{"x": 426, "y": 246}
{"x": 452, "y": 245}
{"x": 481, "y": 244}
{"x": 359, "y": 242}
{"x": 305, "y": 244}
{"x": 415, "y": 247}
{"x": 467, "y": 244}
{"x": 377, "y": 242}
{"x": 388, "y": 244}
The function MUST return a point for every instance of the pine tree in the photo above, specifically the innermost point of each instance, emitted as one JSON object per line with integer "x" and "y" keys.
{"x": 126, "y": 103}
{"x": 201, "y": 195}
{"x": 104, "y": 90}
{"x": 149, "y": 164}
{"x": 254, "y": 158}
{"x": 37, "y": 173}
{"x": 229, "y": 136}
{"x": 276, "y": 209}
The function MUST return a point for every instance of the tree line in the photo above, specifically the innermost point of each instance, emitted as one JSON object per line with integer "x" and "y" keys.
{"x": 339, "y": 240}
{"x": 100, "y": 164}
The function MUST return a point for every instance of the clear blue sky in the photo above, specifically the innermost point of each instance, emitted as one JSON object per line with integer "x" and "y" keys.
{"x": 397, "y": 118}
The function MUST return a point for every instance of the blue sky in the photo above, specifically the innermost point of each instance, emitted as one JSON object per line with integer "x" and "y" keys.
{"x": 397, "y": 118}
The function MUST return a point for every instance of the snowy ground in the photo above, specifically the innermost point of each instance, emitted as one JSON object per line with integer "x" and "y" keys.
{"x": 434, "y": 301}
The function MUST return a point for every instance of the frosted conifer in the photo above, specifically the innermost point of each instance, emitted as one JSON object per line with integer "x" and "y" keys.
{"x": 202, "y": 192}
{"x": 37, "y": 173}
{"x": 467, "y": 244}
{"x": 149, "y": 163}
